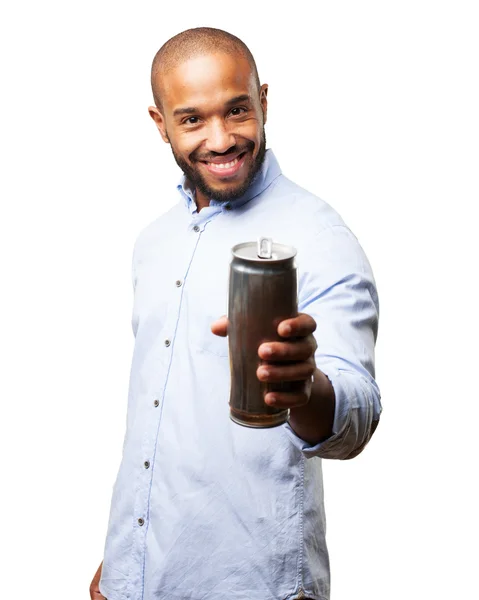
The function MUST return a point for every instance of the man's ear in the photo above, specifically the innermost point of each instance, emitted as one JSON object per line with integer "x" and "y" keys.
{"x": 263, "y": 98}
{"x": 159, "y": 120}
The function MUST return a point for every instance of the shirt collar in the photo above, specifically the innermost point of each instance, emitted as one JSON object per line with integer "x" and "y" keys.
{"x": 269, "y": 171}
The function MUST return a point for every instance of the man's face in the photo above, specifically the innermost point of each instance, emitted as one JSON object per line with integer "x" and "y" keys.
{"x": 213, "y": 116}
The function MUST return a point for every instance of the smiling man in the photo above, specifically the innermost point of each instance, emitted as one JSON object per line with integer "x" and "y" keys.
{"x": 214, "y": 109}
{"x": 202, "y": 507}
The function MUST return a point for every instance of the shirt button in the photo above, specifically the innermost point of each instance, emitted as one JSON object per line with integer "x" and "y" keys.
{"x": 156, "y": 403}
{"x": 196, "y": 228}
{"x": 146, "y": 464}
{"x": 141, "y": 522}
{"x": 167, "y": 343}
{"x": 178, "y": 283}
{"x": 228, "y": 207}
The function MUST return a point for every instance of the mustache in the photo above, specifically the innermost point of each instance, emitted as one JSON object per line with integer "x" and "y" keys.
{"x": 233, "y": 150}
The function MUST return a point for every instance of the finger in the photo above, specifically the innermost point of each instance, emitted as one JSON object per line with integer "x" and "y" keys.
{"x": 284, "y": 400}
{"x": 284, "y": 351}
{"x": 302, "y": 371}
{"x": 299, "y": 326}
{"x": 220, "y": 327}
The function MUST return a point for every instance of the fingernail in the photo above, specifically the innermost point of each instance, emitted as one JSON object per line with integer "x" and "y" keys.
{"x": 287, "y": 329}
{"x": 267, "y": 351}
{"x": 263, "y": 372}
{"x": 271, "y": 400}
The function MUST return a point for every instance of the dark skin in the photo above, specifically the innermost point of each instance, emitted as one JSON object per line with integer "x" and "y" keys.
{"x": 212, "y": 114}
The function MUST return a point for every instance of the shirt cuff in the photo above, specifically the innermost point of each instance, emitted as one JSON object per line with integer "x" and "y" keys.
{"x": 356, "y": 405}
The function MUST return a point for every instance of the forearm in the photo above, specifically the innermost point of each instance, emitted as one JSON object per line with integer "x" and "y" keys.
{"x": 355, "y": 415}
{"x": 313, "y": 422}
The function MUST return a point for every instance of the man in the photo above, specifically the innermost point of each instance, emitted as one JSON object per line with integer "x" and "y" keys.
{"x": 202, "y": 507}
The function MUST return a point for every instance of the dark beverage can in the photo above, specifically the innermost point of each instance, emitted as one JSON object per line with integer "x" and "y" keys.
{"x": 262, "y": 293}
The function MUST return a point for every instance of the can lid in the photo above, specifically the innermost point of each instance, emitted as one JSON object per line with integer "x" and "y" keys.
{"x": 264, "y": 250}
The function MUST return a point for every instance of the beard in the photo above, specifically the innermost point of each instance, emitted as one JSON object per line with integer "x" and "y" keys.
{"x": 197, "y": 181}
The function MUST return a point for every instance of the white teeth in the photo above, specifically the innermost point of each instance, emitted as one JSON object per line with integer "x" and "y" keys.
{"x": 227, "y": 165}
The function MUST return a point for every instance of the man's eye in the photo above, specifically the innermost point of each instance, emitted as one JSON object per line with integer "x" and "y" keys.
{"x": 238, "y": 110}
{"x": 191, "y": 120}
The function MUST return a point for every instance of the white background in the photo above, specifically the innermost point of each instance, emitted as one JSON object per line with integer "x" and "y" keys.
{"x": 374, "y": 107}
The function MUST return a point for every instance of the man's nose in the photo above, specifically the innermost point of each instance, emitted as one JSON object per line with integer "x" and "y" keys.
{"x": 220, "y": 138}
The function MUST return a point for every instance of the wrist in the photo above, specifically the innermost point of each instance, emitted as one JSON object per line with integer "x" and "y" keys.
{"x": 313, "y": 422}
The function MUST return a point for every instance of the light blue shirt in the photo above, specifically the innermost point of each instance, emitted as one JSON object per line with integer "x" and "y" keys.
{"x": 203, "y": 508}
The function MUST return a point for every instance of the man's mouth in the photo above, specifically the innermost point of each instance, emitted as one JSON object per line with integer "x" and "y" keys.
{"x": 225, "y": 166}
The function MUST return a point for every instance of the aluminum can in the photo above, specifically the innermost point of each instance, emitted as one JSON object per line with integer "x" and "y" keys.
{"x": 262, "y": 293}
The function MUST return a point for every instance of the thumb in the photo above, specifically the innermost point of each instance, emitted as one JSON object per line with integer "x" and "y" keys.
{"x": 220, "y": 327}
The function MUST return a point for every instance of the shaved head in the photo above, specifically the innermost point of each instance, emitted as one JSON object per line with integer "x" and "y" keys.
{"x": 195, "y": 42}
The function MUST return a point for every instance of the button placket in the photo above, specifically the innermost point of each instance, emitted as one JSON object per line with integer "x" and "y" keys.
{"x": 179, "y": 282}
{"x": 161, "y": 381}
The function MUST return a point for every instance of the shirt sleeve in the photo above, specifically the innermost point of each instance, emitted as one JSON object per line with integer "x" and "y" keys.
{"x": 337, "y": 288}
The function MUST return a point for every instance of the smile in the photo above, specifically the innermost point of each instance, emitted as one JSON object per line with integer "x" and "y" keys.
{"x": 227, "y": 165}
{"x": 226, "y": 169}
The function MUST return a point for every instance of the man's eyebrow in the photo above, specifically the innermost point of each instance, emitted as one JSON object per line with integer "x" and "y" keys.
{"x": 187, "y": 110}
{"x": 237, "y": 99}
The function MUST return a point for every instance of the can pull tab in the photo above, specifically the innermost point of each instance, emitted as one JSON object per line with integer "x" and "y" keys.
{"x": 265, "y": 247}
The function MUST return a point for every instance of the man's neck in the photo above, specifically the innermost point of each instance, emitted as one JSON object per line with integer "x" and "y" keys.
{"x": 201, "y": 200}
